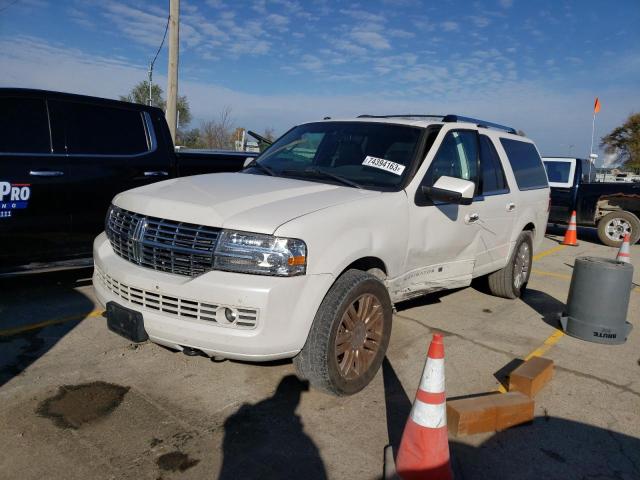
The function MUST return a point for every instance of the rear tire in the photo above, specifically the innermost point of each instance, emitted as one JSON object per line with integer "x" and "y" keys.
{"x": 613, "y": 226}
{"x": 512, "y": 280}
{"x": 349, "y": 335}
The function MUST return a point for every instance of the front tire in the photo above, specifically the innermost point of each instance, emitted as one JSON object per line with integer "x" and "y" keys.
{"x": 613, "y": 226}
{"x": 349, "y": 335}
{"x": 512, "y": 280}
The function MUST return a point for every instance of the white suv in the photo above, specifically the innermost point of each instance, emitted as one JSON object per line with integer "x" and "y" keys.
{"x": 304, "y": 253}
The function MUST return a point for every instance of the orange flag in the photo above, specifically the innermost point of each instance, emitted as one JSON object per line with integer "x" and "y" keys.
{"x": 596, "y": 106}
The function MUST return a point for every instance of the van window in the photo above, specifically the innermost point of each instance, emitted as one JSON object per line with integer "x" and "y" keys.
{"x": 493, "y": 178}
{"x": 525, "y": 163}
{"x": 83, "y": 128}
{"x": 457, "y": 157}
{"x": 24, "y": 127}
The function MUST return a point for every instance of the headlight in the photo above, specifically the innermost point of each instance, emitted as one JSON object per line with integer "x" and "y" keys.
{"x": 260, "y": 254}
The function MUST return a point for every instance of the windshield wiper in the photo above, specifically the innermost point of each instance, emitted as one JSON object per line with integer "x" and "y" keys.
{"x": 264, "y": 168}
{"x": 321, "y": 172}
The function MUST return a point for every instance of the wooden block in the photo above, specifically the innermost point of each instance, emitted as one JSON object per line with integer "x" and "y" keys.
{"x": 471, "y": 415}
{"x": 514, "y": 408}
{"x": 531, "y": 376}
{"x": 488, "y": 413}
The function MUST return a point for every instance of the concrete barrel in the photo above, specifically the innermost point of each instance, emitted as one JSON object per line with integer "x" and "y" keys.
{"x": 599, "y": 300}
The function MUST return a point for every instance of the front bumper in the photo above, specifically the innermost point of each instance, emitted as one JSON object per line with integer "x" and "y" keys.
{"x": 274, "y": 314}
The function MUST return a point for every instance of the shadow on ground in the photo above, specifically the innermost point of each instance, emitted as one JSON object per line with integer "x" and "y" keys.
{"x": 31, "y": 299}
{"x": 267, "y": 440}
{"x": 547, "y": 306}
{"x": 549, "y": 447}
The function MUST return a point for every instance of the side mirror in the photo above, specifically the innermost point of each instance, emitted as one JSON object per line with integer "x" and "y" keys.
{"x": 450, "y": 190}
{"x": 247, "y": 161}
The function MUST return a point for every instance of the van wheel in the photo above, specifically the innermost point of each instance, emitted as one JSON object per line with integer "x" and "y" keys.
{"x": 512, "y": 280}
{"x": 349, "y": 336}
{"x": 613, "y": 227}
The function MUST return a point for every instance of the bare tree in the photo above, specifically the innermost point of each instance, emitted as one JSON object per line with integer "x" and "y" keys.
{"x": 269, "y": 134}
{"x": 218, "y": 133}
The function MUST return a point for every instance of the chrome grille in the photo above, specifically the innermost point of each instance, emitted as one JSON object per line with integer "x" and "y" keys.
{"x": 163, "y": 245}
{"x": 183, "y": 308}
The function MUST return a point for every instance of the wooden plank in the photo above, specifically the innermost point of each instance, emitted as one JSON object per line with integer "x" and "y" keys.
{"x": 530, "y": 377}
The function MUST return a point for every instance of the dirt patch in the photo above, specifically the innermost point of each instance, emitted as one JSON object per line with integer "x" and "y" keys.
{"x": 75, "y": 405}
{"x": 176, "y": 461}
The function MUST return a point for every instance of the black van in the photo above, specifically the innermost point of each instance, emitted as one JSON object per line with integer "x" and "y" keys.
{"x": 63, "y": 157}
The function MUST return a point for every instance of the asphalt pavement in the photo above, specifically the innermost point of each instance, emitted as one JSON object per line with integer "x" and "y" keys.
{"x": 79, "y": 402}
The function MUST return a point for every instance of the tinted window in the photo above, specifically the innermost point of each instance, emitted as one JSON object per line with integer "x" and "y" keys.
{"x": 373, "y": 155}
{"x": 24, "y": 127}
{"x": 457, "y": 157}
{"x": 493, "y": 179}
{"x": 526, "y": 164}
{"x": 558, "y": 172}
{"x": 81, "y": 128}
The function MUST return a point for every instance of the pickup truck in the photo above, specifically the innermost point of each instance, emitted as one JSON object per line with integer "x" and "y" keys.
{"x": 304, "y": 253}
{"x": 611, "y": 207}
{"x": 62, "y": 159}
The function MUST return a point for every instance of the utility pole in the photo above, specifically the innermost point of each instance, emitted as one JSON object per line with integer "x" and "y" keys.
{"x": 172, "y": 87}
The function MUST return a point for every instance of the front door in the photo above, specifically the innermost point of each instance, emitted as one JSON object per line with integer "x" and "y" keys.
{"x": 444, "y": 238}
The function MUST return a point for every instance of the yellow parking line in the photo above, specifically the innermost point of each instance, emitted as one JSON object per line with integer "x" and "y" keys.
{"x": 565, "y": 277}
{"x": 55, "y": 321}
{"x": 544, "y": 253}
{"x": 541, "y": 350}
{"x": 551, "y": 274}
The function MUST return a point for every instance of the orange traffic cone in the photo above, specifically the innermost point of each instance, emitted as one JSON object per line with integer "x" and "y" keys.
{"x": 424, "y": 449}
{"x": 571, "y": 235}
{"x": 624, "y": 255}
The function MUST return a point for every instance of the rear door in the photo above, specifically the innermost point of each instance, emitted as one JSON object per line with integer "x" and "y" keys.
{"x": 110, "y": 148}
{"x": 496, "y": 209}
{"x": 561, "y": 175}
{"x": 34, "y": 221}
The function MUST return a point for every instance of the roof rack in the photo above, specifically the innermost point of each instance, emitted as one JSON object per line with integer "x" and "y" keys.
{"x": 409, "y": 115}
{"x": 480, "y": 123}
{"x": 450, "y": 118}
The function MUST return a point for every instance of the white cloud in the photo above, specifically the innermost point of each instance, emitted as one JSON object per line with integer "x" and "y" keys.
{"x": 370, "y": 39}
{"x": 449, "y": 26}
{"x": 480, "y": 21}
{"x": 506, "y": 3}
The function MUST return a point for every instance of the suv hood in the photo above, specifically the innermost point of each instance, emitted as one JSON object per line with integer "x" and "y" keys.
{"x": 237, "y": 201}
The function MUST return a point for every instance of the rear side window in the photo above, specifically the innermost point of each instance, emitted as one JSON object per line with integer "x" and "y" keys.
{"x": 558, "y": 172}
{"x": 82, "y": 128}
{"x": 24, "y": 126}
{"x": 525, "y": 163}
{"x": 493, "y": 178}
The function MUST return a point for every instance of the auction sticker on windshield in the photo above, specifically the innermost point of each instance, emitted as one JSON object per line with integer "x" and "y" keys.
{"x": 382, "y": 164}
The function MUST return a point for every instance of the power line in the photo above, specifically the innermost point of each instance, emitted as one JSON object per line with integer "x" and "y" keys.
{"x": 161, "y": 43}
{"x": 156, "y": 56}
{"x": 9, "y": 5}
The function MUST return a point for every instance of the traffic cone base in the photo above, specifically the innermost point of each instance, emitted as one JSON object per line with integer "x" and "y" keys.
{"x": 571, "y": 235}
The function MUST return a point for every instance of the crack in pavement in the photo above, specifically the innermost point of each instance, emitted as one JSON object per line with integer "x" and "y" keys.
{"x": 624, "y": 388}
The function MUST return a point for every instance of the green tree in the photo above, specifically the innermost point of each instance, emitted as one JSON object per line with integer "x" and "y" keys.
{"x": 140, "y": 94}
{"x": 625, "y": 142}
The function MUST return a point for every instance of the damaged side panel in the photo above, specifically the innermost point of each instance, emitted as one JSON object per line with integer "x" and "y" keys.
{"x": 430, "y": 279}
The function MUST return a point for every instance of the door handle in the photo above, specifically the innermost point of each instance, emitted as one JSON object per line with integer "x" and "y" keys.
{"x": 156, "y": 173}
{"x": 472, "y": 218}
{"x": 511, "y": 207}
{"x": 46, "y": 173}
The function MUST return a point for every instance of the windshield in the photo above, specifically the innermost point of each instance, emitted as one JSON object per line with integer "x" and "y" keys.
{"x": 357, "y": 154}
{"x": 558, "y": 172}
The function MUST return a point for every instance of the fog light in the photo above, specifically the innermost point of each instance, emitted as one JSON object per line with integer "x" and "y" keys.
{"x": 230, "y": 315}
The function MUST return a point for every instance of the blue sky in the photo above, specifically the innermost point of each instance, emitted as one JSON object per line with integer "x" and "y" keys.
{"x": 535, "y": 65}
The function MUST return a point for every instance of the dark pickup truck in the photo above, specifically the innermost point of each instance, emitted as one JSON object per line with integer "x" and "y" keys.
{"x": 63, "y": 157}
{"x": 611, "y": 207}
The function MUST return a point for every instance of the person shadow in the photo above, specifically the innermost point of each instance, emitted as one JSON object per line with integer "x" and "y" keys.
{"x": 251, "y": 434}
